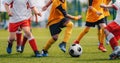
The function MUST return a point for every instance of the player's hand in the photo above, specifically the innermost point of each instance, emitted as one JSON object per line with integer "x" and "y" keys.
{"x": 77, "y": 17}
{"x": 39, "y": 14}
{"x": 9, "y": 13}
{"x": 98, "y": 13}
{"x": 103, "y": 5}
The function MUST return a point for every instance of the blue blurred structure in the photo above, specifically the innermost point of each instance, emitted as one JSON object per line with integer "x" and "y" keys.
{"x": 114, "y": 11}
{"x": 74, "y": 8}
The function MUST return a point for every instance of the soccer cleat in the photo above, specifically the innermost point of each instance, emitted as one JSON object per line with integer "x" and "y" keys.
{"x": 37, "y": 54}
{"x": 18, "y": 48}
{"x": 9, "y": 48}
{"x": 22, "y": 49}
{"x": 102, "y": 48}
{"x": 44, "y": 53}
{"x": 115, "y": 54}
{"x": 62, "y": 46}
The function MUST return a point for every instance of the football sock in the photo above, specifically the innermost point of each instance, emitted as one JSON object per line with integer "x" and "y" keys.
{"x": 98, "y": 27}
{"x": 49, "y": 43}
{"x": 24, "y": 40}
{"x": 113, "y": 43}
{"x": 82, "y": 34}
{"x": 33, "y": 44}
{"x": 99, "y": 35}
{"x": 68, "y": 31}
{"x": 102, "y": 36}
{"x": 18, "y": 38}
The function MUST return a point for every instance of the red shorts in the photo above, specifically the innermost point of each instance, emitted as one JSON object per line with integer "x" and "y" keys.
{"x": 13, "y": 27}
{"x": 114, "y": 28}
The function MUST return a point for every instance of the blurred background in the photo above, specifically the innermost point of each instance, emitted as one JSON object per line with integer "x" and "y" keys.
{"x": 75, "y": 7}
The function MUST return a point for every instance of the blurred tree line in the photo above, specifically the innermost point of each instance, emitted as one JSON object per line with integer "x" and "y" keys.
{"x": 75, "y": 8}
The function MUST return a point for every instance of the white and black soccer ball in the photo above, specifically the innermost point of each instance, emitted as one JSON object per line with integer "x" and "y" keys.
{"x": 75, "y": 50}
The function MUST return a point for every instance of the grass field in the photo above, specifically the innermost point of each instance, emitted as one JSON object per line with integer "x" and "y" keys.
{"x": 91, "y": 54}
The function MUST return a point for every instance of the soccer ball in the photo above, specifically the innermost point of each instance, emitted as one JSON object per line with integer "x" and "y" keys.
{"x": 75, "y": 50}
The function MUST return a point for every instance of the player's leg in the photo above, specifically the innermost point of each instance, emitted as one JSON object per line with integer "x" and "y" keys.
{"x": 102, "y": 35}
{"x": 12, "y": 30}
{"x": 81, "y": 35}
{"x": 25, "y": 38}
{"x": 106, "y": 22}
{"x": 114, "y": 44}
{"x": 67, "y": 35}
{"x": 31, "y": 39}
{"x": 10, "y": 42}
{"x": 98, "y": 28}
{"x": 54, "y": 30}
{"x": 48, "y": 45}
{"x": 101, "y": 43}
{"x": 18, "y": 39}
{"x": 112, "y": 31}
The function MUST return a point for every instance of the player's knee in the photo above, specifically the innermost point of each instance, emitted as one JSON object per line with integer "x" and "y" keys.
{"x": 55, "y": 37}
{"x": 11, "y": 40}
{"x": 69, "y": 24}
{"x": 28, "y": 34}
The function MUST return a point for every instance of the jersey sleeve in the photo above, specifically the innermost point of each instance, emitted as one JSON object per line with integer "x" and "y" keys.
{"x": 62, "y": 10}
{"x": 116, "y": 5}
{"x": 8, "y": 2}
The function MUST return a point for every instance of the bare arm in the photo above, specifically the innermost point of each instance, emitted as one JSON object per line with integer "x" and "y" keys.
{"x": 74, "y": 17}
{"x": 8, "y": 9}
{"x": 106, "y": 6}
{"x": 47, "y": 5}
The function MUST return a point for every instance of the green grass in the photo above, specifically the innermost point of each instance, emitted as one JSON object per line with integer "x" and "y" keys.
{"x": 91, "y": 54}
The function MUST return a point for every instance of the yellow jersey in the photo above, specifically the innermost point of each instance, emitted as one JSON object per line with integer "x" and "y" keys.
{"x": 106, "y": 11}
{"x": 55, "y": 15}
{"x": 91, "y": 15}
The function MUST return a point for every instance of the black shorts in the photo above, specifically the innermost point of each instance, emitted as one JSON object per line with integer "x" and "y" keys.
{"x": 105, "y": 19}
{"x": 92, "y": 24}
{"x": 56, "y": 28}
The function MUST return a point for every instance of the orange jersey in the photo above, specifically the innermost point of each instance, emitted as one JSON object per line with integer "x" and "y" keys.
{"x": 106, "y": 11}
{"x": 55, "y": 15}
{"x": 91, "y": 14}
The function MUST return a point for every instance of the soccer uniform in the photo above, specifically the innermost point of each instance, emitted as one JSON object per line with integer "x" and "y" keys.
{"x": 20, "y": 17}
{"x": 56, "y": 21}
{"x": 91, "y": 17}
{"x": 55, "y": 15}
{"x": 21, "y": 14}
{"x": 114, "y": 26}
{"x": 56, "y": 18}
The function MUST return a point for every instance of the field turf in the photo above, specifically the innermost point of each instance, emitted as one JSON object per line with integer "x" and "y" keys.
{"x": 91, "y": 54}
